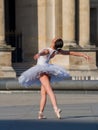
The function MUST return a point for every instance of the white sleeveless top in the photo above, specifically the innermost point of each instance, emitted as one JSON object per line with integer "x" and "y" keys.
{"x": 42, "y": 60}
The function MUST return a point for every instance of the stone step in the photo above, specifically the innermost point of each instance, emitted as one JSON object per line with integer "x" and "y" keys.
{"x": 21, "y": 67}
{"x": 12, "y": 84}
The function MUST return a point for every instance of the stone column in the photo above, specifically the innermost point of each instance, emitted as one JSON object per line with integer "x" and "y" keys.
{"x": 53, "y": 19}
{"x": 84, "y": 22}
{"x": 49, "y": 21}
{"x": 41, "y": 24}
{"x": 6, "y": 69}
{"x": 58, "y": 18}
{"x": 67, "y": 28}
{"x": 2, "y": 23}
{"x": 59, "y": 31}
{"x": 68, "y": 14}
{"x": 80, "y": 63}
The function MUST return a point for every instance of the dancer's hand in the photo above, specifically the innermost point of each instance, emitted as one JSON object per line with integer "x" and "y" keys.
{"x": 88, "y": 58}
{"x": 36, "y": 56}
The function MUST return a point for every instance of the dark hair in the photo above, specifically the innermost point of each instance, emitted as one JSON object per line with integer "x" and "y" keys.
{"x": 58, "y": 43}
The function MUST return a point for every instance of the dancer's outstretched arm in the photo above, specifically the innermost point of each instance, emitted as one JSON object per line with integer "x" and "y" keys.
{"x": 80, "y": 54}
{"x": 63, "y": 52}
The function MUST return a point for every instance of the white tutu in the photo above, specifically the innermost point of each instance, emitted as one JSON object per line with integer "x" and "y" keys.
{"x": 31, "y": 76}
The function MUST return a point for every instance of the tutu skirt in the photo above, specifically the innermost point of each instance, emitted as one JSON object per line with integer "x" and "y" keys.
{"x": 31, "y": 76}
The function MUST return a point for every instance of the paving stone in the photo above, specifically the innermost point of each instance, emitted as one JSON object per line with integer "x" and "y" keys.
{"x": 19, "y": 111}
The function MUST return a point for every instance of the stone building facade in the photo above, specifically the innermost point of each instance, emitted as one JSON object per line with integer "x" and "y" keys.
{"x": 27, "y": 26}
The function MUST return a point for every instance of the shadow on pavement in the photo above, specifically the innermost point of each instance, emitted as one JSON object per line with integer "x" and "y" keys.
{"x": 78, "y": 117}
{"x": 47, "y": 125}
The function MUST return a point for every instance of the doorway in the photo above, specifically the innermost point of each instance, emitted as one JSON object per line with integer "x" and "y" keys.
{"x": 11, "y": 37}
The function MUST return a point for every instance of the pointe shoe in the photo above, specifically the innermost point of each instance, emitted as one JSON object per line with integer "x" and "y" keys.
{"x": 57, "y": 112}
{"x": 41, "y": 116}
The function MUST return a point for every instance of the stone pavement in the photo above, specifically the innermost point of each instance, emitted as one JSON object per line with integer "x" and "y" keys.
{"x": 19, "y": 110}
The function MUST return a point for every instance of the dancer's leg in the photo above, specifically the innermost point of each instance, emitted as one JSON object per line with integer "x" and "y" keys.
{"x": 42, "y": 103}
{"x": 46, "y": 84}
{"x": 43, "y": 99}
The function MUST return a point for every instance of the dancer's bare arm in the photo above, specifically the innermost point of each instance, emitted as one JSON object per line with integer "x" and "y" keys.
{"x": 42, "y": 53}
{"x": 80, "y": 54}
{"x": 63, "y": 52}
